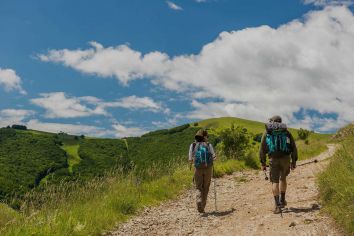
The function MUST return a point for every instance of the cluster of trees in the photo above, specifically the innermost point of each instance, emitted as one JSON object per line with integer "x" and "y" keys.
{"x": 20, "y": 127}
{"x": 24, "y": 160}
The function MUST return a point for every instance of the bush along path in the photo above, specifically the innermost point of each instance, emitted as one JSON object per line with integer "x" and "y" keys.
{"x": 244, "y": 207}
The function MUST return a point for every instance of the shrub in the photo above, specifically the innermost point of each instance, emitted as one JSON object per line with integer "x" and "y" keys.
{"x": 257, "y": 137}
{"x": 235, "y": 141}
{"x": 303, "y": 134}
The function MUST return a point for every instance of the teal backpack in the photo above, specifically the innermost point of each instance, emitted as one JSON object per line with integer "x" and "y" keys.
{"x": 202, "y": 155}
{"x": 278, "y": 141}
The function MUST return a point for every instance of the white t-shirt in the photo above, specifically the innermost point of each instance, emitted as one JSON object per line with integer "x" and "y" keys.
{"x": 191, "y": 155}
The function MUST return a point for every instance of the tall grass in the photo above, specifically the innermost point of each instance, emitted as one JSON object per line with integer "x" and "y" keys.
{"x": 337, "y": 186}
{"x": 74, "y": 208}
{"x": 89, "y": 209}
{"x": 317, "y": 143}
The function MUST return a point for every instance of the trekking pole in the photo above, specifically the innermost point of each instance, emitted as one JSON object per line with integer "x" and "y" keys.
{"x": 281, "y": 213}
{"x": 265, "y": 175}
{"x": 314, "y": 161}
{"x": 216, "y": 209}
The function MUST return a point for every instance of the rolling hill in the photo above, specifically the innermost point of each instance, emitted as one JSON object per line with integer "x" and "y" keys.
{"x": 30, "y": 157}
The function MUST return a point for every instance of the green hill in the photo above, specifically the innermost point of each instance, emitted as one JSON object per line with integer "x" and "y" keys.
{"x": 30, "y": 157}
{"x": 225, "y": 122}
{"x": 345, "y": 133}
{"x": 25, "y": 159}
{"x": 315, "y": 144}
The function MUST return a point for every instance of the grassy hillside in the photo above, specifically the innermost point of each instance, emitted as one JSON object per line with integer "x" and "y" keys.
{"x": 337, "y": 181}
{"x": 25, "y": 159}
{"x": 101, "y": 155}
{"x": 85, "y": 158}
{"x": 158, "y": 171}
{"x": 316, "y": 142}
{"x": 161, "y": 150}
{"x": 345, "y": 133}
{"x": 225, "y": 122}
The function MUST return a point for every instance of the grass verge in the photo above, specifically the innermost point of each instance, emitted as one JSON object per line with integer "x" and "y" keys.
{"x": 337, "y": 187}
{"x": 317, "y": 143}
{"x": 99, "y": 205}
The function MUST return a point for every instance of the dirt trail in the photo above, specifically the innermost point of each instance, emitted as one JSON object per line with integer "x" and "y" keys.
{"x": 245, "y": 205}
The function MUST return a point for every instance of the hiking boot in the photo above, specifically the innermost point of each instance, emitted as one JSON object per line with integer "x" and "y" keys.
{"x": 200, "y": 208}
{"x": 277, "y": 210}
{"x": 282, "y": 204}
{"x": 201, "y": 211}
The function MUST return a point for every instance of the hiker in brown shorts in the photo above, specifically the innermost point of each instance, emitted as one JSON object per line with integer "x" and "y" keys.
{"x": 202, "y": 155}
{"x": 280, "y": 146}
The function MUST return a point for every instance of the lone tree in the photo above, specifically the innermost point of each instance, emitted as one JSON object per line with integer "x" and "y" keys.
{"x": 235, "y": 141}
{"x": 303, "y": 134}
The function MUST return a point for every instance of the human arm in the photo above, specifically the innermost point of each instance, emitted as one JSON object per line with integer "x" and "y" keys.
{"x": 190, "y": 153}
{"x": 263, "y": 151}
{"x": 212, "y": 151}
{"x": 294, "y": 155}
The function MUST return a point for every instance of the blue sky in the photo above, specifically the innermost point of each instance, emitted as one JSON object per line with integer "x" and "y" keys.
{"x": 121, "y": 68}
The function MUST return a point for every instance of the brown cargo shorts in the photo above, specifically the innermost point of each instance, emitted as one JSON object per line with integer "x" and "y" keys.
{"x": 279, "y": 168}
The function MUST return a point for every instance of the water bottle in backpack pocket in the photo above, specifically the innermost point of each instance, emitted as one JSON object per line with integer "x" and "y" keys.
{"x": 202, "y": 155}
{"x": 278, "y": 141}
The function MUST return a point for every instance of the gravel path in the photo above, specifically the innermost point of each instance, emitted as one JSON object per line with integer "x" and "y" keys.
{"x": 244, "y": 207}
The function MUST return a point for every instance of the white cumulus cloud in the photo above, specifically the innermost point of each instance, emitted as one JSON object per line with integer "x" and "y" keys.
{"x": 124, "y": 131}
{"x": 60, "y": 105}
{"x": 256, "y": 72}
{"x": 328, "y": 2}
{"x": 11, "y": 81}
{"x": 135, "y": 103}
{"x": 10, "y": 117}
{"x": 174, "y": 6}
{"x": 74, "y": 129}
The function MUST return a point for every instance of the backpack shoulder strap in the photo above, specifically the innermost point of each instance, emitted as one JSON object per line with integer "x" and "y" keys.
{"x": 208, "y": 146}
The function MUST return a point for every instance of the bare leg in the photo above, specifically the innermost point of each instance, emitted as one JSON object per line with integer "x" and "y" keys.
{"x": 283, "y": 185}
{"x": 275, "y": 188}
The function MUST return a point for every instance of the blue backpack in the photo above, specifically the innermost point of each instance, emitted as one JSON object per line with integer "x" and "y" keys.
{"x": 278, "y": 141}
{"x": 202, "y": 155}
